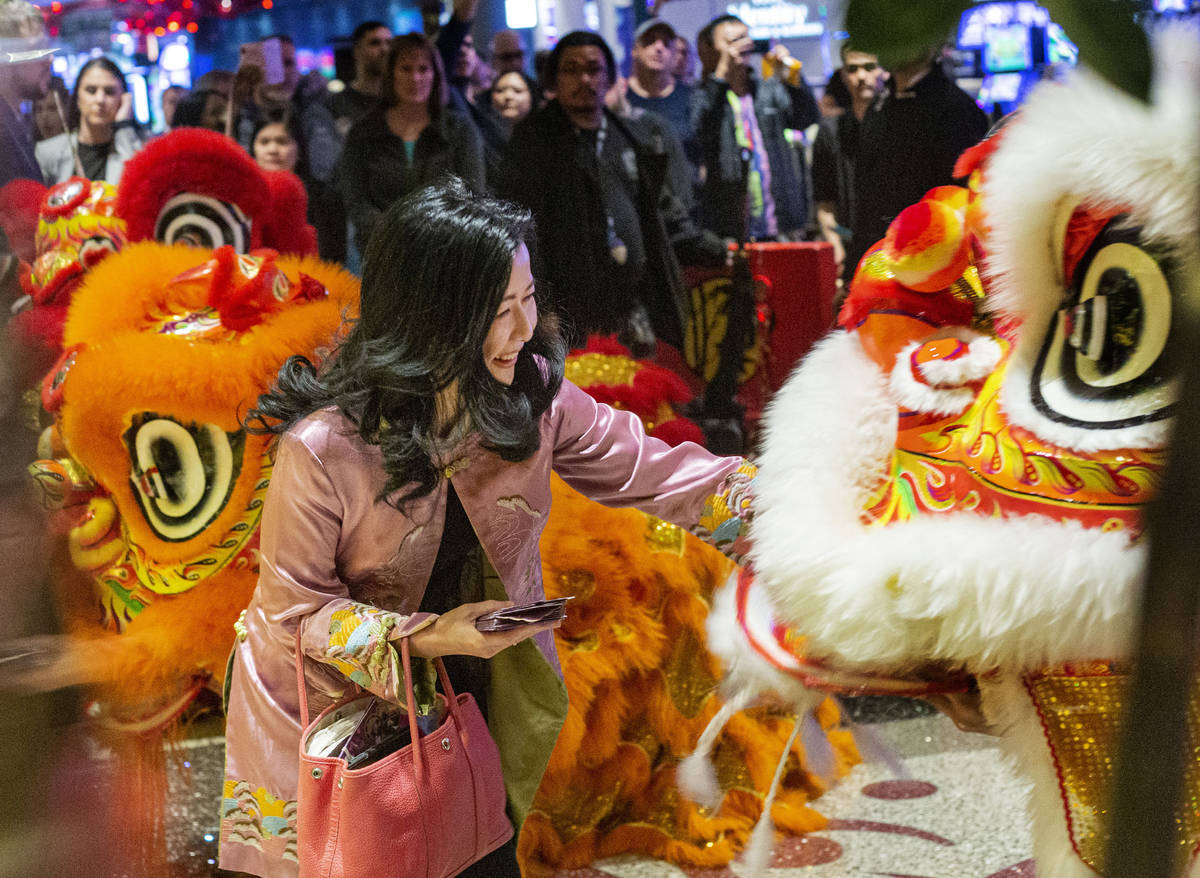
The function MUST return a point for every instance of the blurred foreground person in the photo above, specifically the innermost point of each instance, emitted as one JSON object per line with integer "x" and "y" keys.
{"x": 54, "y": 802}
{"x": 24, "y": 76}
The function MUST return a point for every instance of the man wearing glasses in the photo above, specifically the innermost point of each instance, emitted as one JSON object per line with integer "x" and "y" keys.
{"x": 609, "y": 224}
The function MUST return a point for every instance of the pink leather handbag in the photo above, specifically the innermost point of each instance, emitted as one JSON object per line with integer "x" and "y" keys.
{"x": 428, "y": 810}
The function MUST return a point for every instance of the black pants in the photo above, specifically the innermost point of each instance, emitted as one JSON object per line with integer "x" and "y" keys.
{"x": 500, "y": 863}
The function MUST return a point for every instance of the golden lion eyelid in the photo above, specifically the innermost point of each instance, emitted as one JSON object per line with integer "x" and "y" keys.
{"x": 1063, "y": 211}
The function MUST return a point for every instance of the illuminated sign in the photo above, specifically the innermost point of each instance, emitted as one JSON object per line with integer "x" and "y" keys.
{"x": 978, "y": 20}
{"x": 776, "y": 19}
{"x": 520, "y": 13}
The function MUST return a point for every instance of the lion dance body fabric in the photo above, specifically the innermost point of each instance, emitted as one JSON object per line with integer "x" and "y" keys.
{"x": 641, "y": 684}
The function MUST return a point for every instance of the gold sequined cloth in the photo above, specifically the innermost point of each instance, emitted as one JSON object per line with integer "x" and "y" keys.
{"x": 1081, "y": 709}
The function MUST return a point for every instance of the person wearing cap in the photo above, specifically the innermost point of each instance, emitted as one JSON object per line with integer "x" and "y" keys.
{"x": 653, "y": 85}
{"x": 24, "y": 76}
{"x": 736, "y": 112}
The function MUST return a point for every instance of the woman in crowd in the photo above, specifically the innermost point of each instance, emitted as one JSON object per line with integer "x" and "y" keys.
{"x": 410, "y": 140}
{"x": 513, "y": 96}
{"x": 410, "y": 486}
{"x": 168, "y": 101}
{"x": 48, "y": 110}
{"x": 102, "y": 133}
{"x": 277, "y": 145}
{"x": 202, "y": 108}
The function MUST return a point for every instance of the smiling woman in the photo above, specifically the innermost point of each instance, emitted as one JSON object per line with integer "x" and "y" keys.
{"x": 410, "y": 488}
{"x": 99, "y": 140}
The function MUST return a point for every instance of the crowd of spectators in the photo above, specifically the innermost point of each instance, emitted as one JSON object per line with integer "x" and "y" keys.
{"x": 628, "y": 178}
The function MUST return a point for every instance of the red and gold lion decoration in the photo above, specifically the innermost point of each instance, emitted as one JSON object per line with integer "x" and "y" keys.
{"x": 994, "y": 420}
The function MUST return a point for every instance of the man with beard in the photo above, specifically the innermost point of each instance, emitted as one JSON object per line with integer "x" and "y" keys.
{"x": 609, "y": 225}
{"x": 370, "y": 47}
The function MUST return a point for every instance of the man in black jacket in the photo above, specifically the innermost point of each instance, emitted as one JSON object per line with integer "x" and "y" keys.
{"x": 609, "y": 225}
{"x": 732, "y": 110}
{"x": 908, "y": 143}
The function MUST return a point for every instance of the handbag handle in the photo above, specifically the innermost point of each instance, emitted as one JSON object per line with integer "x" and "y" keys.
{"x": 406, "y": 663}
{"x": 451, "y": 704}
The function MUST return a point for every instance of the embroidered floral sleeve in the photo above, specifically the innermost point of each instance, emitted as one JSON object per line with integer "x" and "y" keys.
{"x": 360, "y": 646}
{"x": 727, "y": 514}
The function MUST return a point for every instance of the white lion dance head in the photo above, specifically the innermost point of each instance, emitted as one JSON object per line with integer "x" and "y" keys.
{"x": 953, "y": 486}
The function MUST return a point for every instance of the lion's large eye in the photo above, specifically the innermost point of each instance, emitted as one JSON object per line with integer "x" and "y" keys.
{"x": 182, "y": 474}
{"x": 202, "y": 221}
{"x": 94, "y": 249}
{"x": 1102, "y": 364}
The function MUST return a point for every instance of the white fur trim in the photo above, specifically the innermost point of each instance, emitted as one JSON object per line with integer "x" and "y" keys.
{"x": 746, "y": 673}
{"x": 978, "y": 592}
{"x": 697, "y": 780}
{"x": 1074, "y": 140}
{"x": 827, "y": 435}
{"x": 916, "y": 396}
{"x": 1017, "y": 403}
{"x": 756, "y": 856}
{"x": 982, "y": 356}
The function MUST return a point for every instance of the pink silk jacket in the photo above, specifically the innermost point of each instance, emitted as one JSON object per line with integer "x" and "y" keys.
{"x": 350, "y": 572}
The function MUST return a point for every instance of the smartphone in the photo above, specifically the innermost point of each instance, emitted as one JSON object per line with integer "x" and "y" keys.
{"x": 761, "y": 47}
{"x": 552, "y": 610}
{"x": 272, "y": 51}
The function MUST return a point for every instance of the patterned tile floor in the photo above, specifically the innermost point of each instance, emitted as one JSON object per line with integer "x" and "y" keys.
{"x": 957, "y": 815}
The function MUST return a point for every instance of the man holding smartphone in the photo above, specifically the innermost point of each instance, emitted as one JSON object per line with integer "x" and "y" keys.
{"x": 737, "y": 116}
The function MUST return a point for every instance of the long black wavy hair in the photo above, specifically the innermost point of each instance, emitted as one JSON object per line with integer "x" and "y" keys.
{"x": 434, "y": 275}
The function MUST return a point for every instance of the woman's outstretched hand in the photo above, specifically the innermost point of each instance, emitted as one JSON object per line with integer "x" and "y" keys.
{"x": 454, "y": 633}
